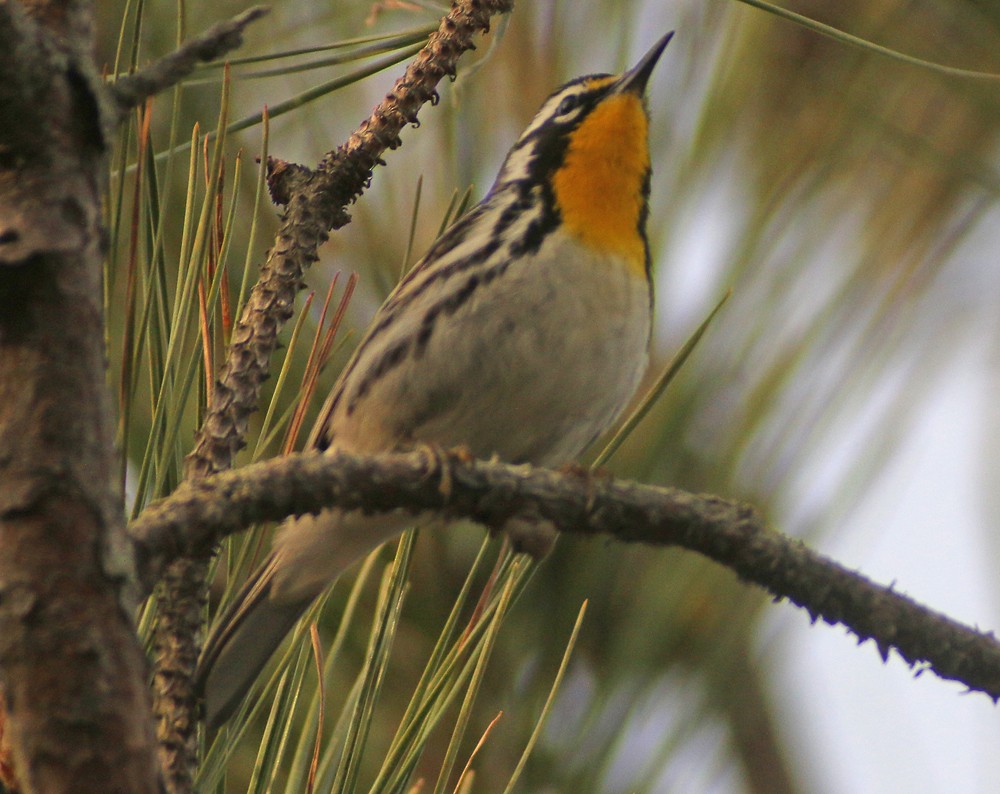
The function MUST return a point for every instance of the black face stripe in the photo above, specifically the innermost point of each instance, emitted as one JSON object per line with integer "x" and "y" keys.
{"x": 586, "y": 98}
{"x": 550, "y": 152}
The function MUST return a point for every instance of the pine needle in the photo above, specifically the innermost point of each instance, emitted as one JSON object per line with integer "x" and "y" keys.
{"x": 657, "y": 389}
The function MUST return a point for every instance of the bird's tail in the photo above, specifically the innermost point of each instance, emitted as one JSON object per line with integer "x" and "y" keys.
{"x": 309, "y": 554}
{"x": 241, "y": 642}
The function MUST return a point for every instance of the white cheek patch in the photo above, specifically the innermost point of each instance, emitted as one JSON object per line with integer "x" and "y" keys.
{"x": 516, "y": 165}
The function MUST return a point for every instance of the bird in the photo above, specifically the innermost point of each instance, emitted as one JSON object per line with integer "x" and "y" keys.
{"x": 522, "y": 334}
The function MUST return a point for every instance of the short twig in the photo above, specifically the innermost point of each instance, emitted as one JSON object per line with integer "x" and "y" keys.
{"x": 222, "y": 37}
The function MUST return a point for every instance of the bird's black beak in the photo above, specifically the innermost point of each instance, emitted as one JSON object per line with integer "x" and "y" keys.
{"x": 635, "y": 79}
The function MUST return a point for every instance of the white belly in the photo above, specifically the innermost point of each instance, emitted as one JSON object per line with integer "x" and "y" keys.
{"x": 531, "y": 368}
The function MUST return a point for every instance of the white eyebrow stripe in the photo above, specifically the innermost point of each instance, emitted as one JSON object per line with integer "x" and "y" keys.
{"x": 549, "y": 108}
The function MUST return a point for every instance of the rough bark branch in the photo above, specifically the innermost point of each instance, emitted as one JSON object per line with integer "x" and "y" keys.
{"x": 192, "y": 520}
{"x": 73, "y": 674}
{"x": 133, "y": 90}
{"x": 74, "y": 677}
{"x": 315, "y": 205}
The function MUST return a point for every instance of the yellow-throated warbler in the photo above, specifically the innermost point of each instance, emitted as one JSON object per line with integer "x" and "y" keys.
{"x": 522, "y": 333}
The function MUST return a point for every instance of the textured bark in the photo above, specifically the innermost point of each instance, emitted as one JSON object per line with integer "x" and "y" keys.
{"x": 72, "y": 671}
{"x": 73, "y": 677}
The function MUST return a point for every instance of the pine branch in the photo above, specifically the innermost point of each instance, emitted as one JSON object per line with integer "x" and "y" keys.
{"x": 192, "y": 520}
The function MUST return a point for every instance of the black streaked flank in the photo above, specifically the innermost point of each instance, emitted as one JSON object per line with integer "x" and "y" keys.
{"x": 390, "y": 359}
{"x": 539, "y": 228}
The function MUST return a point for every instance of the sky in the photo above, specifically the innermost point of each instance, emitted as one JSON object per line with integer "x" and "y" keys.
{"x": 865, "y": 727}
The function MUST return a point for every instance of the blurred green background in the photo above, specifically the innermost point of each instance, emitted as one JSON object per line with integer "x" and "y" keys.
{"x": 850, "y": 203}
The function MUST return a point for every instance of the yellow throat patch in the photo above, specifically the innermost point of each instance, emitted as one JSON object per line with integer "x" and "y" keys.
{"x": 599, "y": 186}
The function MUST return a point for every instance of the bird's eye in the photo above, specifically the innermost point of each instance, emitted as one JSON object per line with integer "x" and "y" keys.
{"x": 568, "y": 104}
